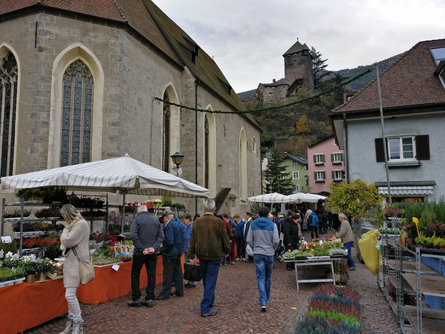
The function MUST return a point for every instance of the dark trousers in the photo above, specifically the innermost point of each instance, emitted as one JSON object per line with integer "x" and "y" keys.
{"x": 150, "y": 265}
{"x": 314, "y": 230}
{"x": 209, "y": 272}
{"x": 240, "y": 248}
{"x": 172, "y": 274}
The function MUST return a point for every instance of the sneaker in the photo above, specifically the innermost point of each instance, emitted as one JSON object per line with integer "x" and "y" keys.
{"x": 134, "y": 303}
{"x": 209, "y": 314}
{"x": 147, "y": 303}
{"x": 263, "y": 308}
{"x": 233, "y": 262}
{"x": 351, "y": 268}
{"x": 189, "y": 285}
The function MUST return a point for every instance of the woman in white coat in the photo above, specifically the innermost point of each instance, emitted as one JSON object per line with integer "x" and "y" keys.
{"x": 75, "y": 235}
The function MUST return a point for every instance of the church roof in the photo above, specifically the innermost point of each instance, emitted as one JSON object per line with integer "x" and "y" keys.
{"x": 155, "y": 27}
{"x": 408, "y": 83}
{"x": 297, "y": 47}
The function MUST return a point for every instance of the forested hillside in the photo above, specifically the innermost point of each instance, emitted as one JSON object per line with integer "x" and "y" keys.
{"x": 293, "y": 128}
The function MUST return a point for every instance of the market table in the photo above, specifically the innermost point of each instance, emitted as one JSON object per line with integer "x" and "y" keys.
{"x": 110, "y": 284}
{"x": 26, "y": 305}
{"x": 315, "y": 261}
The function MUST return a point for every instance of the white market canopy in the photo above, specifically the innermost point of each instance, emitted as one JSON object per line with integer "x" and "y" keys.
{"x": 268, "y": 198}
{"x": 124, "y": 174}
{"x": 306, "y": 198}
{"x": 283, "y": 199}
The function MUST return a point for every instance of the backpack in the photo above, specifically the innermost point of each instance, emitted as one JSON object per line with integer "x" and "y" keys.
{"x": 240, "y": 230}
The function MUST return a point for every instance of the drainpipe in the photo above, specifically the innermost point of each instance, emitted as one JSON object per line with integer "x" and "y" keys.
{"x": 196, "y": 140}
{"x": 345, "y": 145}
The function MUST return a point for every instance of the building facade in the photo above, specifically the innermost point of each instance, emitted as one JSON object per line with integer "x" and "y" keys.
{"x": 297, "y": 167}
{"x": 92, "y": 80}
{"x": 413, "y": 100}
{"x": 325, "y": 165}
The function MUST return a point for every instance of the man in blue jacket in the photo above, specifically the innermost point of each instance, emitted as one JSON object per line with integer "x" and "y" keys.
{"x": 172, "y": 249}
{"x": 263, "y": 238}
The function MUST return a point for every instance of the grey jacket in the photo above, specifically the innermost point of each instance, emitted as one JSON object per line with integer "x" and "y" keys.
{"x": 263, "y": 236}
{"x": 146, "y": 231}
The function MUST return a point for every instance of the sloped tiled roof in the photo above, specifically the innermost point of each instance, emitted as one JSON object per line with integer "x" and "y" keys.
{"x": 409, "y": 82}
{"x": 297, "y": 47}
{"x": 297, "y": 158}
{"x": 144, "y": 17}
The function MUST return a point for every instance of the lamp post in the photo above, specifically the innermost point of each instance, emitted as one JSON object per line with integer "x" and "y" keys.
{"x": 177, "y": 160}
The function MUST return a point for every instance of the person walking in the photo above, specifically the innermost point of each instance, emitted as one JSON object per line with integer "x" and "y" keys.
{"x": 209, "y": 241}
{"x": 188, "y": 225}
{"x": 74, "y": 243}
{"x": 313, "y": 223}
{"x": 263, "y": 238}
{"x": 239, "y": 237}
{"x": 147, "y": 235}
{"x": 347, "y": 237}
{"x": 171, "y": 257}
{"x": 248, "y": 220}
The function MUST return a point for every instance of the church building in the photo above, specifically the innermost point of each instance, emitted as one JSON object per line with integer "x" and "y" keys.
{"x": 89, "y": 80}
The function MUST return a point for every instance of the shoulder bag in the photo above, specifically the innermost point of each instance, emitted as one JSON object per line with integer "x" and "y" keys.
{"x": 86, "y": 269}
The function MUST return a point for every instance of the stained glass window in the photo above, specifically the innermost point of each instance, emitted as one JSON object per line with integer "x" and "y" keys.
{"x": 8, "y": 105}
{"x": 77, "y": 109}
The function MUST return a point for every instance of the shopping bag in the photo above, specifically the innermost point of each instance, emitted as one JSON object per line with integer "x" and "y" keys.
{"x": 86, "y": 269}
{"x": 192, "y": 272}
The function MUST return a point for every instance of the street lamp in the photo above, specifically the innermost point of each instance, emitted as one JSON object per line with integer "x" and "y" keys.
{"x": 177, "y": 160}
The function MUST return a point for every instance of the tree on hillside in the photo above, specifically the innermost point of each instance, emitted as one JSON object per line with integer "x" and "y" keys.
{"x": 302, "y": 125}
{"x": 318, "y": 67}
{"x": 353, "y": 199}
{"x": 277, "y": 179}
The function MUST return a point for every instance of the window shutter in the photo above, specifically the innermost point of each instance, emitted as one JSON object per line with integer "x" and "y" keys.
{"x": 315, "y": 176}
{"x": 333, "y": 175}
{"x": 423, "y": 147}
{"x": 322, "y": 158}
{"x": 341, "y": 156}
{"x": 314, "y": 158}
{"x": 379, "y": 150}
{"x": 332, "y": 157}
{"x": 324, "y": 175}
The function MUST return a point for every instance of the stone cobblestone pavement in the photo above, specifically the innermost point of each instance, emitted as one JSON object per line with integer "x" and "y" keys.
{"x": 237, "y": 306}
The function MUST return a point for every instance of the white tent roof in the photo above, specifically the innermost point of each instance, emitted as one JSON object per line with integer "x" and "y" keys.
{"x": 268, "y": 198}
{"x": 124, "y": 174}
{"x": 302, "y": 197}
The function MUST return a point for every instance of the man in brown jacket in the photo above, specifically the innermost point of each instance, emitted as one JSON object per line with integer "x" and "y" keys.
{"x": 209, "y": 242}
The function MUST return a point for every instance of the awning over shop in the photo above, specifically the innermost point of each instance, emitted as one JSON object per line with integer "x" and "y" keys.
{"x": 422, "y": 188}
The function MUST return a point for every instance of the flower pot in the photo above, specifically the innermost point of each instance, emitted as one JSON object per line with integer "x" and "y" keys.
{"x": 30, "y": 278}
{"x": 41, "y": 277}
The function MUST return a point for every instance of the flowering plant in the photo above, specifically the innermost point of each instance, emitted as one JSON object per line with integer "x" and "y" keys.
{"x": 11, "y": 260}
{"x": 29, "y": 264}
{"x": 44, "y": 266}
{"x": 51, "y": 247}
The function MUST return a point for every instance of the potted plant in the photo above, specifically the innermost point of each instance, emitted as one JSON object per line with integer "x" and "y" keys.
{"x": 29, "y": 266}
{"x": 43, "y": 267}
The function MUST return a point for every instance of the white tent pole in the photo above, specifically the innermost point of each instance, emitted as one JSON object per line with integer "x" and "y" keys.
{"x": 123, "y": 212}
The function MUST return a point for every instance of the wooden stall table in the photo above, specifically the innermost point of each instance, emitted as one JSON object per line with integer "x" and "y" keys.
{"x": 24, "y": 305}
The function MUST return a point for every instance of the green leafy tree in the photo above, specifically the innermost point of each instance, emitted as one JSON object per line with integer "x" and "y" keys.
{"x": 353, "y": 199}
{"x": 278, "y": 180}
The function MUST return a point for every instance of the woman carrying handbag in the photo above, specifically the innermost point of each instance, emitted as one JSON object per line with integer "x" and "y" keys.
{"x": 75, "y": 235}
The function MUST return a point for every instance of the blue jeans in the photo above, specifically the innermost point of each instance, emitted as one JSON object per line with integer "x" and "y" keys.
{"x": 209, "y": 272}
{"x": 348, "y": 246}
{"x": 264, "y": 266}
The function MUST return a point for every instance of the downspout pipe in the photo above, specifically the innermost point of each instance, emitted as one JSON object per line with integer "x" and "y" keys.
{"x": 196, "y": 140}
{"x": 345, "y": 145}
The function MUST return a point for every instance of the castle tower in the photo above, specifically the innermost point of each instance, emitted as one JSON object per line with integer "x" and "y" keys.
{"x": 298, "y": 66}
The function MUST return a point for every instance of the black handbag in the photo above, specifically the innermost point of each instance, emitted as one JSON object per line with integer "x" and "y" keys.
{"x": 192, "y": 272}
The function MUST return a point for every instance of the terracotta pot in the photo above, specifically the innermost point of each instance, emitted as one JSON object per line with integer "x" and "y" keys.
{"x": 30, "y": 278}
{"x": 41, "y": 277}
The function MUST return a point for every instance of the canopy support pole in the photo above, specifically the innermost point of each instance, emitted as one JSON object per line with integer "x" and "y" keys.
{"x": 123, "y": 213}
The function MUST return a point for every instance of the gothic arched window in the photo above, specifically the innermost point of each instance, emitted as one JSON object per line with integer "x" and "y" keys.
{"x": 77, "y": 108}
{"x": 167, "y": 116}
{"x": 206, "y": 152}
{"x": 8, "y": 105}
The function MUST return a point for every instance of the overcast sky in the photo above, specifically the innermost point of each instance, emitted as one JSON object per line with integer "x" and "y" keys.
{"x": 247, "y": 38}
